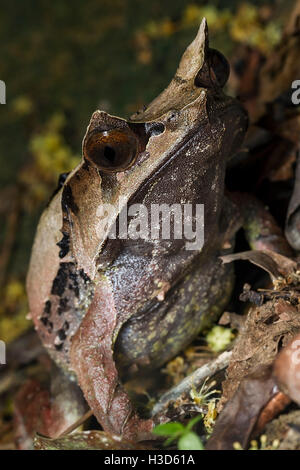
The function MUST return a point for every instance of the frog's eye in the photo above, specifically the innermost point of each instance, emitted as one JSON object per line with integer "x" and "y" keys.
{"x": 215, "y": 71}
{"x": 219, "y": 67}
{"x": 111, "y": 151}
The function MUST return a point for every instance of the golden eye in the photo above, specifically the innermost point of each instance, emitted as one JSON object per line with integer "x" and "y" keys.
{"x": 111, "y": 151}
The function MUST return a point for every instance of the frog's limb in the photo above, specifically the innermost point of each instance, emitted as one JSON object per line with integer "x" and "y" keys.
{"x": 261, "y": 230}
{"x": 92, "y": 359}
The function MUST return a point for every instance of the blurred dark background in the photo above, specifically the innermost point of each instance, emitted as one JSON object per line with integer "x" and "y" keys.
{"x": 60, "y": 61}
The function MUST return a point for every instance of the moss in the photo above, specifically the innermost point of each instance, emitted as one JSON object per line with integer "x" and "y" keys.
{"x": 219, "y": 338}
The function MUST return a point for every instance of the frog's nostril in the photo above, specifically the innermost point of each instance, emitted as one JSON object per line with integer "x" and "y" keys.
{"x": 154, "y": 128}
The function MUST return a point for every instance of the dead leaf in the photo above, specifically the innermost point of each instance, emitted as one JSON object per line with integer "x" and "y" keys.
{"x": 274, "y": 263}
{"x": 266, "y": 329}
{"x": 239, "y": 416}
{"x": 48, "y": 407}
{"x": 87, "y": 440}
{"x": 277, "y": 404}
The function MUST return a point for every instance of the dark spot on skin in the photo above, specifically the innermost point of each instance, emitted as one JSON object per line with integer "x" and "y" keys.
{"x": 64, "y": 245}
{"x": 74, "y": 288}
{"x": 63, "y": 305}
{"x": 67, "y": 277}
{"x": 61, "y": 181}
{"x": 46, "y": 313}
{"x": 47, "y": 308}
{"x": 60, "y": 281}
{"x": 179, "y": 79}
{"x": 50, "y": 326}
{"x": 68, "y": 284}
{"x": 67, "y": 200}
{"x": 64, "y": 309}
{"x": 44, "y": 320}
{"x": 172, "y": 116}
{"x": 74, "y": 284}
{"x": 61, "y": 335}
{"x": 84, "y": 276}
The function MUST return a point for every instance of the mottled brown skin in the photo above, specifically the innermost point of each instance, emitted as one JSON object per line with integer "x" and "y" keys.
{"x": 102, "y": 305}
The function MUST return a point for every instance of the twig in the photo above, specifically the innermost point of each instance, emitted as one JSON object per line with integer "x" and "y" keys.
{"x": 195, "y": 379}
{"x": 76, "y": 425}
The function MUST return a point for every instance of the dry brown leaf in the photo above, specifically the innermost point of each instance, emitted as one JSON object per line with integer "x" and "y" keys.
{"x": 87, "y": 440}
{"x": 240, "y": 414}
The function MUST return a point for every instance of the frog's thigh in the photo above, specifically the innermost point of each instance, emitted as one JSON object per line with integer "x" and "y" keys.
{"x": 91, "y": 358}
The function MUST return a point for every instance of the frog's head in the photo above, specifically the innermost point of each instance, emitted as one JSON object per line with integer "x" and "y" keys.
{"x": 174, "y": 151}
{"x": 193, "y": 99}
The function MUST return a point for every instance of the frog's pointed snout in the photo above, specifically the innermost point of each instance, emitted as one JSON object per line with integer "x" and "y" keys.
{"x": 195, "y": 55}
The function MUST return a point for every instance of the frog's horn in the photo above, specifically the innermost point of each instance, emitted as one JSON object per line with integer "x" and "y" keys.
{"x": 182, "y": 89}
{"x": 194, "y": 56}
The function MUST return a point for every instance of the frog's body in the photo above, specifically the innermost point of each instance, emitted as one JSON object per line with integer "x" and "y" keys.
{"x": 95, "y": 300}
{"x": 193, "y": 285}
